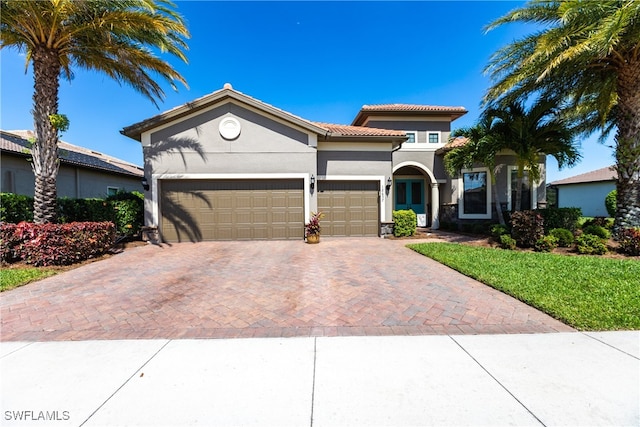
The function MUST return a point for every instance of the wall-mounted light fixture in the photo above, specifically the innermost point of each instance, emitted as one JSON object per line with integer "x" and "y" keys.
{"x": 145, "y": 184}
{"x": 312, "y": 182}
{"x": 389, "y": 182}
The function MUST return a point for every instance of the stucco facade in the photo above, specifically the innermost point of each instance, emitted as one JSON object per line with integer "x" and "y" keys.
{"x": 358, "y": 174}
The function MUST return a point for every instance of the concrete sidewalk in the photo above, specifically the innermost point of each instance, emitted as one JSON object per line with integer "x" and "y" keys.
{"x": 522, "y": 379}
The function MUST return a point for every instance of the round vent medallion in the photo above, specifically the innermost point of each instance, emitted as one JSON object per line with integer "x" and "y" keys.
{"x": 229, "y": 128}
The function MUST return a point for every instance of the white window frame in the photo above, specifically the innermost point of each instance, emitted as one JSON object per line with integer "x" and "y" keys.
{"x": 415, "y": 137}
{"x": 534, "y": 189}
{"x": 461, "y": 214}
{"x": 436, "y": 132}
{"x": 110, "y": 188}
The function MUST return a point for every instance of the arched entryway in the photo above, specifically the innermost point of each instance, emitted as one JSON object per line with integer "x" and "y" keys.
{"x": 415, "y": 187}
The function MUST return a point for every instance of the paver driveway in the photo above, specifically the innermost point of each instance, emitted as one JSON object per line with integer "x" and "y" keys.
{"x": 356, "y": 286}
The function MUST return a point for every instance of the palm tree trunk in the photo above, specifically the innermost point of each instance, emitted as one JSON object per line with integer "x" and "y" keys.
{"x": 628, "y": 147}
{"x": 44, "y": 152}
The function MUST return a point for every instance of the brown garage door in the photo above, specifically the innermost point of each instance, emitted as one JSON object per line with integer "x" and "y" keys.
{"x": 350, "y": 208}
{"x": 195, "y": 210}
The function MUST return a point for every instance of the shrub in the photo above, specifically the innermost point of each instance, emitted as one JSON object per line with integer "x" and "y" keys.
{"x": 56, "y": 244}
{"x": 597, "y": 230}
{"x": 15, "y": 208}
{"x": 590, "y": 244}
{"x": 610, "y": 203}
{"x": 405, "y": 223}
{"x": 527, "y": 227}
{"x": 546, "y": 244}
{"x": 560, "y": 218}
{"x": 507, "y": 242}
{"x": 630, "y": 241}
{"x": 128, "y": 212}
{"x": 564, "y": 236}
{"x": 498, "y": 230}
{"x": 601, "y": 221}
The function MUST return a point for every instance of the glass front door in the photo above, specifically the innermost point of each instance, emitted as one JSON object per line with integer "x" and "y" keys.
{"x": 409, "y": 194}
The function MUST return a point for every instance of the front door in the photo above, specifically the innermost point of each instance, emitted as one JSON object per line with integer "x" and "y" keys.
{"x": 410, "y": 195}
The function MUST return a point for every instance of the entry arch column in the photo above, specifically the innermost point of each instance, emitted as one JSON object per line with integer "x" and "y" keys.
{"x": 435, "y": 206}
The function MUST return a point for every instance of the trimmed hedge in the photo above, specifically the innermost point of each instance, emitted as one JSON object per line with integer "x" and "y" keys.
{"x": 125, "y": 210}
{"x": 560, "y": 218}
{"x": 405, "y": 223}
{"x": 55, "y": 244}
{"x": 611, "y": 203}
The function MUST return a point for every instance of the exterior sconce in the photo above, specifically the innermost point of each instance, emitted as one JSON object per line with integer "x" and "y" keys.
{"x": 312, "y": 184}
{"x": 389, "y": 182}
{"x": 145, "y": 184}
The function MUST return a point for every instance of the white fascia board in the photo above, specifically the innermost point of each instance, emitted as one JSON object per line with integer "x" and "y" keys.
{"x": 354, "y": 146}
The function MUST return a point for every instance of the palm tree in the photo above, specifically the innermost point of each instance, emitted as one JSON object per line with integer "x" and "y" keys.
{"x": 114, "y": 37}
{"x": 587, "y": 55}
{"x": 532, "y": 134}
{"x": 482, "y": 147}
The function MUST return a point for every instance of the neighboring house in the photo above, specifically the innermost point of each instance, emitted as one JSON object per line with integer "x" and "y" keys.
{"x": 83, "y": 173}
{"x": 586, "y": 191}
{"x": 229, "y": 167}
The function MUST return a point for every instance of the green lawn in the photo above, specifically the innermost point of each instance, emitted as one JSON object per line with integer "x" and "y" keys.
{"x": 586, "y": 292}
{"x": 13, "y": 277}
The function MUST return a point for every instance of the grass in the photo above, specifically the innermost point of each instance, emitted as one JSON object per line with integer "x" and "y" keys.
{"x": 586, "y": 292}
{"x": 13, "y": 277}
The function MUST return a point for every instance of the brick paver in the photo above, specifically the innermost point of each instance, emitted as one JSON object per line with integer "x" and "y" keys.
{"x": 356, "y": 286}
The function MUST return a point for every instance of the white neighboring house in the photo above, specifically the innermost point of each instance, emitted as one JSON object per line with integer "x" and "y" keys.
{"x": 586, "y": 191}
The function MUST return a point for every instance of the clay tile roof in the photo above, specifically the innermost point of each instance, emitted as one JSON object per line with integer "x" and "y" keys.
{"x": 598, "y": 175}
{"x": 17, "y": 141}
{"x": 453, "y": 143}
{"x": 413, "y": 107}
{"x": 345, "y": 130}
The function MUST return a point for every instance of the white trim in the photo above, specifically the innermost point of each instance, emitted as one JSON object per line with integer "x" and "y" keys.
{"x": 534, "y": 189}
{"x": 437, "y": 132}
{"x": 109, "y": 187}
{"x": 353, "y": 146}
{"x": 461, "y": 214}
{"x": 444, "y": 117}
{"x": 157, "y": 177}
{"x": 415, "y": 139}
{"x": 380, "y": 178}
{"x": 418, "y": 165}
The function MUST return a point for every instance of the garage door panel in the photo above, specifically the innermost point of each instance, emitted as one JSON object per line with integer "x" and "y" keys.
{"x": 350, "y": 208}
{"x": 232, "y": 210}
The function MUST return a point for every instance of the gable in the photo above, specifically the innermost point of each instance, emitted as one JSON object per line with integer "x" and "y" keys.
{"x": 257, "y": 132}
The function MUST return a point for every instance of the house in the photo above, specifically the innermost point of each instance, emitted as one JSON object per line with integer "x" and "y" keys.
{"x": 83, "y": 173}
{"x": 227, "y": 166}
{"x": 586, "y": 191}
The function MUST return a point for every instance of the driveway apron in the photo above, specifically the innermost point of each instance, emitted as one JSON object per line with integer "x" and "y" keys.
{"x": 355, "y": 286}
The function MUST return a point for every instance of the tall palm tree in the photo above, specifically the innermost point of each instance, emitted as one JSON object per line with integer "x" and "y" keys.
{"x": 115, "y": 37}
{"x": 482, "y": 146}
{"x": 587, "y": 55}
{"x": 532, "y": 134}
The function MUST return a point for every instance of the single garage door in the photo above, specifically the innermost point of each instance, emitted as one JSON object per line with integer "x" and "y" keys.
{"x": 195, "y": 210}
{"x": 350, "y": 208}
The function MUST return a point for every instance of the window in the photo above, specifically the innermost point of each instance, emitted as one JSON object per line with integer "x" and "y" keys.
{"x": 474, "y": 194}
{"x": 433, "y": 137}
{"x": 529, "y": 194}
{"x": 111, "y": 191}
{"x": 412, "y": 137}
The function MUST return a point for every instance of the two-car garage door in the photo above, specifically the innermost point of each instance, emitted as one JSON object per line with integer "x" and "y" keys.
{"x": 196, "y": 210}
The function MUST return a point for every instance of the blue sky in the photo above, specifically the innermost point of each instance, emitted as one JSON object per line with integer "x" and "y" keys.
{"x": 318, "y": 60}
